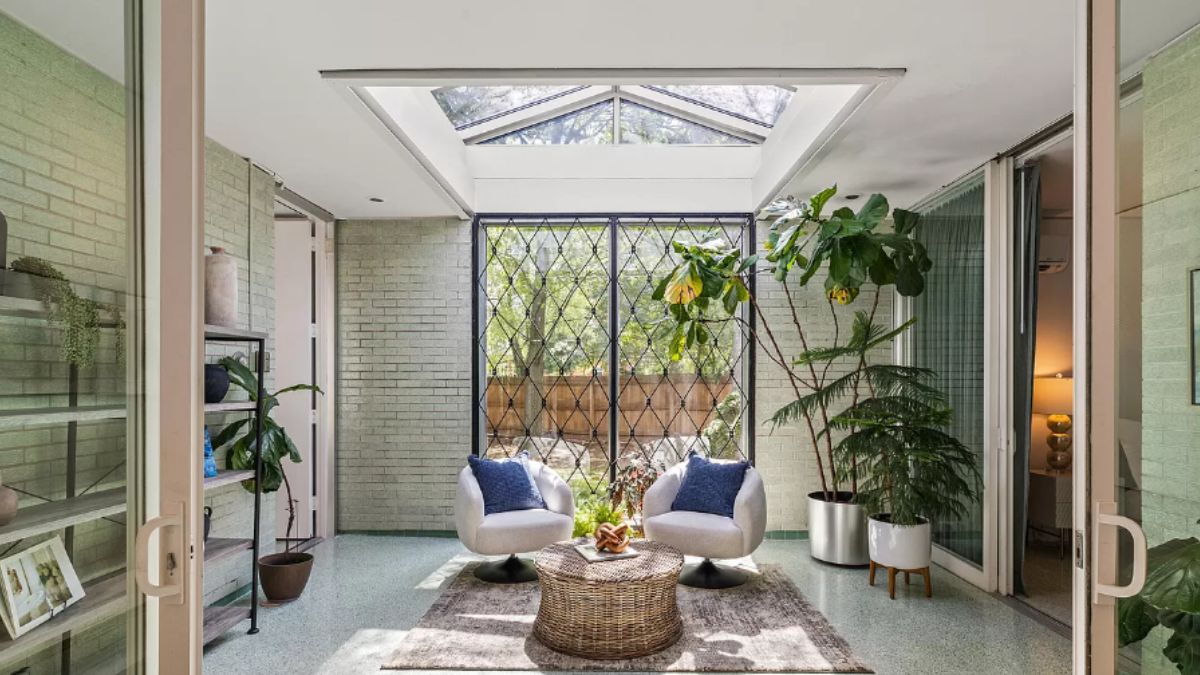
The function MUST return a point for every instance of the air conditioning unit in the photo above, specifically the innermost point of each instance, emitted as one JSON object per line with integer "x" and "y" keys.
{"x": 1054, "y": 253}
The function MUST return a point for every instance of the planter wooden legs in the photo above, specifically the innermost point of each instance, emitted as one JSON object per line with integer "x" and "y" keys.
{"x": 924, "y": 571}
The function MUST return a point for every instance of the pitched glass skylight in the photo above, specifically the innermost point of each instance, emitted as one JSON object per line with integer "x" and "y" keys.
{"x": 761, "y": 103}
{"x": 668, "y": 114}
{"x": 587, "y": 126}
{"x": 640, "y": 124}
{"x": 466, "y": 106}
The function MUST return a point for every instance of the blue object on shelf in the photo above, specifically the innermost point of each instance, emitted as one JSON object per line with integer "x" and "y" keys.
{"x": 210, "y": 464}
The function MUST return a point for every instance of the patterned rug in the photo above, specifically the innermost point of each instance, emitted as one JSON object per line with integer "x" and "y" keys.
{"x": 763, "y": 626}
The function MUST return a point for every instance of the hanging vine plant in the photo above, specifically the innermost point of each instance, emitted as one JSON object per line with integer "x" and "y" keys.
{"x": 78, "y": 318}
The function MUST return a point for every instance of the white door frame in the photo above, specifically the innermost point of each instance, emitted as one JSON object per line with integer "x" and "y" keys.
{"x": 324, "y": 280}
{"x": 172, "y": 149}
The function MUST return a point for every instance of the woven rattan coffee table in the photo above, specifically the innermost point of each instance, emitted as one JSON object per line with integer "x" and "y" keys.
{"x": 615, "y": 609}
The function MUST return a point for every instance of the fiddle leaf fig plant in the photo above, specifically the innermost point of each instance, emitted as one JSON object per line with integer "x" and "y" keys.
{"x": 1170, "y": 598}
{"x": 276, "y": 444}
{"x": 854, "y": 250}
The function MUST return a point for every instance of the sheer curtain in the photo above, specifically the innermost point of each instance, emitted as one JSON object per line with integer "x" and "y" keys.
{"x": 948, "y": 336}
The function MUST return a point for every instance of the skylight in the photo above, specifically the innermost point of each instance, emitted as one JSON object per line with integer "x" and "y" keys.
{"x": 640, "y": 124}
{"x": 467, "y": 106}
{"x": 625, "y": 114}
{"x": 590, "y": 125}
{"x": 758, "y": 103}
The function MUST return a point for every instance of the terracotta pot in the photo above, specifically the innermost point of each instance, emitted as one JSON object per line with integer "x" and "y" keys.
{"x": 8, "y": 505}
{"x": 899, "y": 546}
{"x": 284, "y": 575}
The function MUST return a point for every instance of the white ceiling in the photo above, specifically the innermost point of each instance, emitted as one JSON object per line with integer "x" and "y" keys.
{"x": 980, "y": 75}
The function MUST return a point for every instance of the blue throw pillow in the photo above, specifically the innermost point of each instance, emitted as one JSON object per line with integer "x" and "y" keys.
{"x": 710, "y": 487}
{"x": 507, "y": 484}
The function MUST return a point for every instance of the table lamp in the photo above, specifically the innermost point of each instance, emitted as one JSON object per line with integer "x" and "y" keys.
{"x": 1052, "y": 397}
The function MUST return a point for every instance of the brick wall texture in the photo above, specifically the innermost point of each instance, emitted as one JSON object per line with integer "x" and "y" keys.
{"x": 404, "y": 371}
{"x": 404, "y": 352}
{"x": 63, "y": 191}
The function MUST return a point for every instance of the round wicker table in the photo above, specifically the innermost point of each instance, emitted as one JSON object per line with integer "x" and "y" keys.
{"x": 613, "y": 609}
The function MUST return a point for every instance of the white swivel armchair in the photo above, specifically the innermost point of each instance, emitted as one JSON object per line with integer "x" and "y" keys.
{"x": 513, "y": 532}
{"x": 707, "y": 535}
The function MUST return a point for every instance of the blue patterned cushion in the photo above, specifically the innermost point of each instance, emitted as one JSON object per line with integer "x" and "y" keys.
{"x": 506, "y": 484}
{"x": 710, "y": 487}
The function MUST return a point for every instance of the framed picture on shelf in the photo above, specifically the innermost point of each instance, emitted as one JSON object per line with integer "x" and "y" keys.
{"x": 37, "y": 584}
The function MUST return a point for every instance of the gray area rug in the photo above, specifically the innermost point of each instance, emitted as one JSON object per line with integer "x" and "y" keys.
{"x": 763, "y": 626}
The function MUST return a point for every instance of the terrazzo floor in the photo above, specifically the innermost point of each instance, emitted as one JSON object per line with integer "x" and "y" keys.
{"x": 367, "y": 591}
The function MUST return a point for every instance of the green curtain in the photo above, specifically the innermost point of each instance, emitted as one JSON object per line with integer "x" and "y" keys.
{"x": 948, "y": 337}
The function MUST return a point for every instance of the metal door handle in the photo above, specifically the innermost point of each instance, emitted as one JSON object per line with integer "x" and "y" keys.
{"x": 1106, "y": 514}
{"x": 142, "y": 557}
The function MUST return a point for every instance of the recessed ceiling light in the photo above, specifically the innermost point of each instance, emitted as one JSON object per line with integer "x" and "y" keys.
{"x": 377, "y": 200}
{"x": 852, "y": 197}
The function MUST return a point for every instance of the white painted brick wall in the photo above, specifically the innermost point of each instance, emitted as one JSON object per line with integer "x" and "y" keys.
{"x": 404, "y": 364}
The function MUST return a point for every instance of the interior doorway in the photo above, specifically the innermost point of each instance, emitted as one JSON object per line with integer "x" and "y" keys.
{"x": 298, "y": 346}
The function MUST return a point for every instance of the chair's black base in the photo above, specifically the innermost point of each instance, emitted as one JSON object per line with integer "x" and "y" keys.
{"x": 710, "y": 575}
{"x": 511, "y": 570}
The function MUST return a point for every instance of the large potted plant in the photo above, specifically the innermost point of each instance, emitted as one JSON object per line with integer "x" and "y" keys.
{"x": 851, "y": 251}
{"x": 283, "y": 575}
{"x": 910, "y": 469}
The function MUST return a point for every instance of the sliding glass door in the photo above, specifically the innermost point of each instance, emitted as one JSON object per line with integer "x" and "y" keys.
{"x": 1143, "y": 333}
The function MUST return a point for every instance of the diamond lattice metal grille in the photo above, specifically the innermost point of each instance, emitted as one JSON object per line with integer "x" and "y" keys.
{"x": 556, "y": 379}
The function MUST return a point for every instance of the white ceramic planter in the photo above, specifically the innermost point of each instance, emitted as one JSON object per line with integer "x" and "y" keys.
{"x": 905, "y": 548}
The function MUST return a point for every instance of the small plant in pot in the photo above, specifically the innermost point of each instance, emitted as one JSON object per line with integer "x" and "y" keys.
{"x": 855, "y": 254}
{"x": 911, "y": 470}
{"x": 283, "y": 575}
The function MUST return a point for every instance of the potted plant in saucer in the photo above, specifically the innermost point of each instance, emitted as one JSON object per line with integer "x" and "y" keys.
{"x": 283, "y": 575}
{"x": 854, "y": 254}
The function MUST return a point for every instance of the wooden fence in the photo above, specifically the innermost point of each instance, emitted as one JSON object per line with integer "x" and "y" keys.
{"x": 649, "y": 405}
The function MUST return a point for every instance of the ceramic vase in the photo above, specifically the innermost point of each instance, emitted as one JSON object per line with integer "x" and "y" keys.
{"x": 216, "y": 382}
{"x": 220, "y": 288}
{"x": 8, "y": 505}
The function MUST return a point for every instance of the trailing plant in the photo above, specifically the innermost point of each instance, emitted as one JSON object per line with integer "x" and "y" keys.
{"x": 1170, "y": 598}
{"x": 855, "y": 250}
{"x": 591, "y": 511}
{"x": 632, "y": 481}
{"x": 78, "y": 318}
{"x": 276, "y": 444}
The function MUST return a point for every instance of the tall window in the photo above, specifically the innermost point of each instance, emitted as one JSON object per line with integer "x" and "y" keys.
{"x": 572, "y": 351}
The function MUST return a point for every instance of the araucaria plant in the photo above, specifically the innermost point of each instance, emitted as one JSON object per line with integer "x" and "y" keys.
{"x": 853, "y": 252}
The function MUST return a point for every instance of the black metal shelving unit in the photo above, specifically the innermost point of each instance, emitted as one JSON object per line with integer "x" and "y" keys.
{"x": 220, "y": 618}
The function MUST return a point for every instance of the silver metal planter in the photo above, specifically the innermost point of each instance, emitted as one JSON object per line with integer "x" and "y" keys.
{"x": 837, "y": 531}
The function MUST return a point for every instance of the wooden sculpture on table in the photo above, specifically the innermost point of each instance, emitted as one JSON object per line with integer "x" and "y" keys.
{"x": 612, "y": 538}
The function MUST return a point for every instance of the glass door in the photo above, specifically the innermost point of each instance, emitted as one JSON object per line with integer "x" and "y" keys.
{"x": 1143, "y": 335}
{"x": 72, "y": 359}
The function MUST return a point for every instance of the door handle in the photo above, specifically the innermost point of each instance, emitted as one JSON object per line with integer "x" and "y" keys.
{"x": 1105, "y": 513}
{"x": 142, "y": 558}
